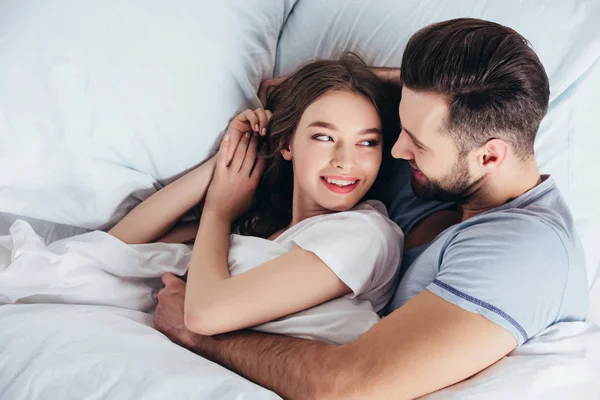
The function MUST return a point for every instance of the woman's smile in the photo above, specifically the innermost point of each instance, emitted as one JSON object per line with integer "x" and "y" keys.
{"x": 340, "y": 184}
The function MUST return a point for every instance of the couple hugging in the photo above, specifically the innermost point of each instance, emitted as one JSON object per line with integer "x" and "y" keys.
{"x": 477, "y": 255}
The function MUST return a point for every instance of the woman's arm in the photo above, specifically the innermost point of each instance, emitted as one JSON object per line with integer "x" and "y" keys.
{"x": 215, "y": 302}
{"x": 156, "y": 215}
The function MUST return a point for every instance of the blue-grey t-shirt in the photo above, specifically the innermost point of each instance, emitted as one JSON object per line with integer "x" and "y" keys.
{"x": 520, "y": 265}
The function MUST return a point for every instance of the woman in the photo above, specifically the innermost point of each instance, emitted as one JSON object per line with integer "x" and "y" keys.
{"x": 312, "y": 243}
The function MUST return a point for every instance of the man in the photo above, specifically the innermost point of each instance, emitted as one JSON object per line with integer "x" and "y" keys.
{"x": 490, "y": 264}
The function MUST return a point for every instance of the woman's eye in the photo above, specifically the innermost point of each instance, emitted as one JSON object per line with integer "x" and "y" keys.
{"x": 369, "y": 143}
{"x": 322, "y": 138}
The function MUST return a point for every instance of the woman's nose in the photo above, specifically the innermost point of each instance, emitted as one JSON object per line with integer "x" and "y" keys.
{"x": 342, "y": 158}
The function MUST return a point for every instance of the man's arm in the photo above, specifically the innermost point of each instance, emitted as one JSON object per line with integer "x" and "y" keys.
{"x": 425, "y": 345}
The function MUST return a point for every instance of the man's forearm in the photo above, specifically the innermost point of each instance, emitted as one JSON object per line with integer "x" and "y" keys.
{"x": 293, "y": 368}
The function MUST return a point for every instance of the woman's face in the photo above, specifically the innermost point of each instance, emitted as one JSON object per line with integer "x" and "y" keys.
{"x": 336, "y": 152}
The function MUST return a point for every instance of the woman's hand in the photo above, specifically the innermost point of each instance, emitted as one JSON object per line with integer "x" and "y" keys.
{"x": 247, "y": 121}
{"x": 232, "y": 189}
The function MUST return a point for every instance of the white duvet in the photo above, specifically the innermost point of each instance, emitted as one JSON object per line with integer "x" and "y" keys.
{"x": 77, "y": 324}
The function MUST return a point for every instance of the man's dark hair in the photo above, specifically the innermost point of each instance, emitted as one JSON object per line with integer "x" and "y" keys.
{"x": 495, "y": 84}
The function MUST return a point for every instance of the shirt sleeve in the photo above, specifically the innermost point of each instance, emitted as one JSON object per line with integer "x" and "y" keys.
{"x": 512, "y": 270}
{"x": 361, "y": 249}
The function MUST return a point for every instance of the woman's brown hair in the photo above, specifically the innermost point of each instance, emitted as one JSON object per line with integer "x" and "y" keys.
{"x": 272, "y": 209}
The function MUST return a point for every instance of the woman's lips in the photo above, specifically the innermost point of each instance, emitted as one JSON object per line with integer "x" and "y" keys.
{"x": 337, "y": 187}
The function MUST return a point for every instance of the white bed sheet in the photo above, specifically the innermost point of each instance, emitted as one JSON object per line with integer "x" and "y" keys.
{"x": 76, "y": 323}
{"x": 56, "y": 351}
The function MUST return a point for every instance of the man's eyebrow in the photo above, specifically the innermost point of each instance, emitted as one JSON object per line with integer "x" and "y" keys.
{"x": 413, "y": 138}
{"x": 327, "y": 125}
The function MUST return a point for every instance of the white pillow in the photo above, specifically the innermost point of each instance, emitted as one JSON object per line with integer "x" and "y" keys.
{"x": 99, "y": 99}
{"x": 565, "y": 35}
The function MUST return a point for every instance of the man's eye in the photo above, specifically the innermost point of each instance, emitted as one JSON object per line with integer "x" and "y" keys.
{"x": 418, "y": 146}
{"x": 322, "y": 138}
{"x": 369, "y": 143}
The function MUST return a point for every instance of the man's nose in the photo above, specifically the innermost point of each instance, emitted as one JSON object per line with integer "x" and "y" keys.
{"x": 401, "y": 148}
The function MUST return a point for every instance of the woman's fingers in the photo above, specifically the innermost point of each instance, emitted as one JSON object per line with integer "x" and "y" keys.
{"x": 258, "y": 169}
{"x": 251, "y": 118}
{"x": 268, "y": 114}
{"x": 240, "y": 153}
{"x": 255, "y": 121}
{"x": 238, "y": 127}
{"x": 265, "y": 117}
{"x": 224, "y": 151}
{"x": 263, "y": 121}
{"x": 250, "y": 158}
{"x": 247, "y": 121}
{"x": 236, "y": 130}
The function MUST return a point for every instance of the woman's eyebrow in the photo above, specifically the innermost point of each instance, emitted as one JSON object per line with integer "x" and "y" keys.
{"x": 321, "y": 124}
{"x": 369, "y": 131}
{"x": 327, "y": 125}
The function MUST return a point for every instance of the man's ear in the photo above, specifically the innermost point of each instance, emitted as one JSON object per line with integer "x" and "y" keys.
{"x": 492, "y": 154}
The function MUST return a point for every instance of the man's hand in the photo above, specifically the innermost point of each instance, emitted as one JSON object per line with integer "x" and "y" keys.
{"x": 169, "y": 312}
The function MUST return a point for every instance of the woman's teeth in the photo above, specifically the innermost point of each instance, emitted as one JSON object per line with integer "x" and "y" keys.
{"x": 339, "y": 182}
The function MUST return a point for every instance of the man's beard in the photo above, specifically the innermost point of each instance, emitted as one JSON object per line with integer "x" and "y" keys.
{"x": 456, "y": 187}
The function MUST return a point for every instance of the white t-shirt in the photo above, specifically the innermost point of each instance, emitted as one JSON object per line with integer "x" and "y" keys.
{"x": 363, "y": 247}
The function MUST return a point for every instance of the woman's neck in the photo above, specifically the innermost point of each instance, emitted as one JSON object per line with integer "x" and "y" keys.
{"x": 299, "y": 214}
{"x": 303, "y": 209}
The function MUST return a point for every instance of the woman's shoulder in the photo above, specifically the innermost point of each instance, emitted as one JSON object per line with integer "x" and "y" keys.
{"x": 368, "y": 217}
{"x": 371, "y": 206}
{"x": 375, "y": 213}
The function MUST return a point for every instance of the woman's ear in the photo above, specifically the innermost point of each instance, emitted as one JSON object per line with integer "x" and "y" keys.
{"x": 286, "y": 152}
